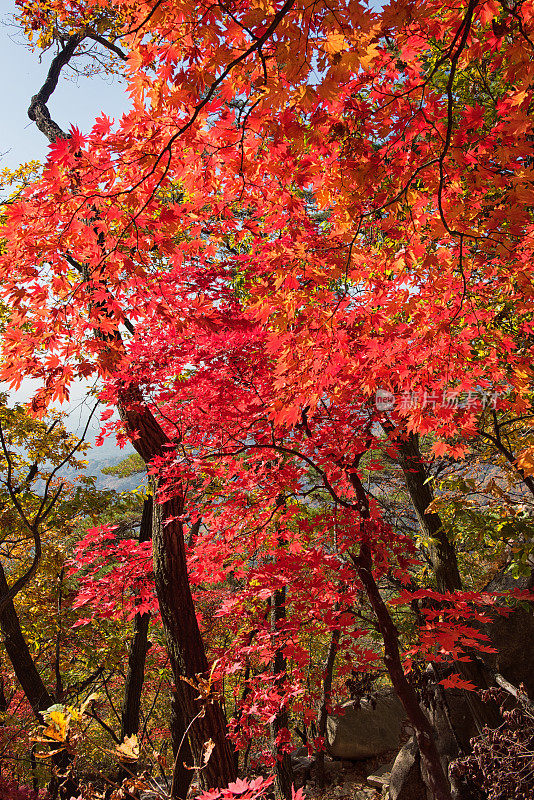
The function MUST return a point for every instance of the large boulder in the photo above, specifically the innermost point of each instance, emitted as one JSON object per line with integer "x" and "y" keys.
{"x": 513, "y": 635}
{"x": 451, "y": 717}
{"x": 367, "y": 728}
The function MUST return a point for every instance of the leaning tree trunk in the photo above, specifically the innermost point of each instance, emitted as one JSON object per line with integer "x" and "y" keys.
{"x": 186, "y": 648}
{"x": 424, "y": 733}
{"x": 184, "y": 641}
{"x": 445, "y": 566}
{"x": 21, "y": 659}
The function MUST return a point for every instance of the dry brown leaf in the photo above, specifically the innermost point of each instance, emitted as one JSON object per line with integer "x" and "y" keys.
{"x": 129, "y": 748}
{"x": 207, "y": 750}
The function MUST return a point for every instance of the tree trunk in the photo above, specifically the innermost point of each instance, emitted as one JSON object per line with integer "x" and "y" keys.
{"x": 424, "y": 733}
{"x": 135, "y": 675}
{"x": 184, "y": 641}
{"x": 35, "y": 691}
{"x": 21, "y": 659}
{"x": 59, "y": 691}
{"x": 283, "y": 766}
{"x": 508, "y": 454}
{"x": 185, "y": 646}
{"x": 442, "y": 552}
{"x": 326, "y": 692}
{"x": 444, "y": 564}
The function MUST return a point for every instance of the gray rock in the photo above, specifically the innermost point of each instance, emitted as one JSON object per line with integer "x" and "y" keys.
{"x": 301, "y": 763}
{"x": 159, "y": 789}
{"x": 512, "y": 635}
{"x": 380, "y": 777}
{"x": 366, "y": 730}
{"x": 453, "y": 726}
{"x": 452, "y": 719}
{"x": 405, "y": 781}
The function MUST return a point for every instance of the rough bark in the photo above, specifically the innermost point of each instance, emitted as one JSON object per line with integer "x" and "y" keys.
{"x": 184, "y": 642}
{"x": 38, "y": 111}
{"x": 442, "y": 552}
{"x": 21, "y": 659}
{"x": 185, "y": 646}
{"x": 283, "y": 766}
{"x": 424, "y": 733}
{"x": 34, "y": 689}
{"x": 326, "y": 692}
{"x": 135, "y": 675}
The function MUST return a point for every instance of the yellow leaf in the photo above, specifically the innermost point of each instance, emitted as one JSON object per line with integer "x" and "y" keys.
{"x": 334, "y": 43}
{"x": 205, "y": 687}
{"x": 56, "y": 728}
{"x": 525, "y": 461}
{"x": 368, "y": 56}
{"x": 516, "y": 98}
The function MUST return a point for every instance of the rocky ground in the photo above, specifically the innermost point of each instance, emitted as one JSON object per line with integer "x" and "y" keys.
{"x": 352, "y": 780}
{"x": 345, "y": 780}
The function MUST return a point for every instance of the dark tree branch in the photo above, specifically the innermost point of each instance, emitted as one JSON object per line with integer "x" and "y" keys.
{"x": 38, "y": 111}
{"x": 424, "y": 732}
{"x": 501, "y": 448}
{"x": 93, "y": 714}
{"x": 108, "y": 45}
{"x": 85, "y": 277}
{"x": 76, "y": 688}
{"x": 43, "y": 512}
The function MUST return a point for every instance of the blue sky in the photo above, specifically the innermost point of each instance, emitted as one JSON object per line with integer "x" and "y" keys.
{"x": 76, "y": 101}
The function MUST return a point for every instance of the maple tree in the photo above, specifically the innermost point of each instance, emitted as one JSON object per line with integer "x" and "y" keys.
{"x": 305, "y": 207}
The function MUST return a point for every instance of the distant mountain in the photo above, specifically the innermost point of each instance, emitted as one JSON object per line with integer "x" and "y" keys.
{"x": 105, "y": 457}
